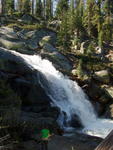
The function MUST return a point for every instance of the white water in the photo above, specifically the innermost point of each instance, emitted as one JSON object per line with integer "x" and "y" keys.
{"x": 69, "y": 97}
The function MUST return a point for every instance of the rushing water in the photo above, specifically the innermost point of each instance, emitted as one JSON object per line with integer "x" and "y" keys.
{"x": 69, "y": 97}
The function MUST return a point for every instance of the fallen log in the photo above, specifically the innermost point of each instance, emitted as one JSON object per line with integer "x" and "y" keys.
{"x": 107, "y": 143}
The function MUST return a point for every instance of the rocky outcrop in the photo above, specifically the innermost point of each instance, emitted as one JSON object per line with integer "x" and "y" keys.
{"x": 109, "y": 91}
{"x": 29, "y": 19}
{"x": 102, "y": 76}
{"x": 40, "y": 41}
{"x": 36, "y": 107}
{"x": 109, "y": 111}
{"x": 16, "y": 63}
{"x": 10, "y": 40}
{"x": 58, "y": 59}
{"x": 77, "y": 141}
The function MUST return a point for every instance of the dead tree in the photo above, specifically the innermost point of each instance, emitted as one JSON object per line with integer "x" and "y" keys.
{"x": 107, "y": 143}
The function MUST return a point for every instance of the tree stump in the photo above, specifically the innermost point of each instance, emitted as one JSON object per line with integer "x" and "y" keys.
{"x": 107, "y": 143}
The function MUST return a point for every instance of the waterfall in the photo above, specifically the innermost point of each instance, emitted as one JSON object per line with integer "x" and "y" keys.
{"x": 68, "y": 96}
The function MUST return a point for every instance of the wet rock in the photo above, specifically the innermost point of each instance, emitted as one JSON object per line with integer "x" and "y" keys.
{"x": 78, "y": 142}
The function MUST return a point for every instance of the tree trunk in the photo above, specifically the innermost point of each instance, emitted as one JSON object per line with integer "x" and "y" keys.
{"x": 32, "y": 7}
{"x": 3, "y": 4}
{"x": 107, "y": 143}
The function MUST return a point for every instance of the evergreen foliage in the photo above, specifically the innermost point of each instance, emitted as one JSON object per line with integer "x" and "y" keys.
{"x": 80, "y": 20}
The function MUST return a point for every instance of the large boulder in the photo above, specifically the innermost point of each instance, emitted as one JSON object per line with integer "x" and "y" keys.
{"x": 13, "y": 40}
{"x": 24, "y": 81}
{"x": 36, "y": 120}
{"x": 34, "y": 37}
{"x": 29, "y": 19}
{"x": 76, "y": 142}
{"x": 102, "y": 76}
{"x": 9, "y": 39}
{"x": 59, "y": 60}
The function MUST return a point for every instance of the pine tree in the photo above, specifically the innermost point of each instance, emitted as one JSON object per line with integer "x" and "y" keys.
{"x": 39, "y": 8}
{"x": 62, "y": 7}
{"x": 89, "y": 17}
{"x": 108, "y": 8}
{"x": 3, "y": 7}
{"x": 100, "y": 26}
{"x": 27, "y": 7}
{"x": 10, "y": 6}
{"x": 63, "y": 34}
{"x": 49, "y": 9}
{"x": 76, "y": 21}
{"x": 44, "y": 9}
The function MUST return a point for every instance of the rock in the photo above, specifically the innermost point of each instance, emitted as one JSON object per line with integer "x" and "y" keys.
{"x": 14, "y": 40}
{"x": 41, "y": 33}
{"x": 35, "y": 37}
{"x": 25, "y": 41}
{"x": 45, "y": 40}
{"x": 77, "y": 142}
{"x": 84, "y": 46}
{"x": 74, "y": 72}
{"x": 109, "y": 91}
{"x": 30, "y": 93}
{"x": 15, "y": 45}
{"x": 55, "y": 24}
{"x": 13, "y": 62}
{"x": 102, "y": 76}
{"x": 35, "y": 120}
{"x": 58, "y": 59}
{"x": 29, "y": 19}
{"x": 75, "y": 122}
{"x": 11, "y": 40}
{"x": 28, "y": 145}
{"x": 109, "y": 112}
{"x": 22, "y": 80}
